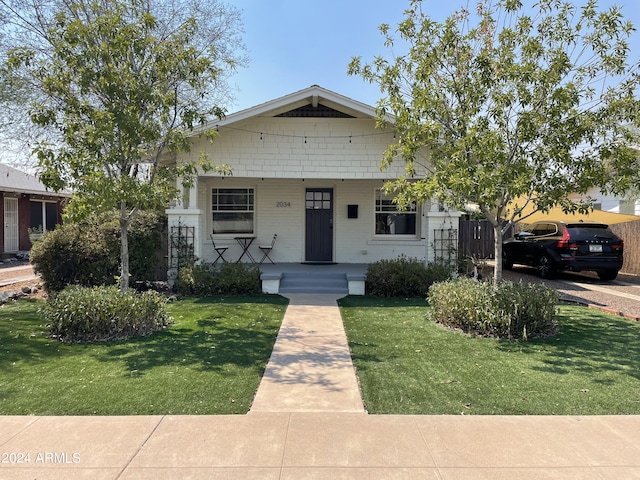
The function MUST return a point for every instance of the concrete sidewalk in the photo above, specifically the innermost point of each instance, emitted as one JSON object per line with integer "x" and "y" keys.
{"x": 281, "y": 438}
{"x": 14, "y": 274}
{"x": 319, "y": 446}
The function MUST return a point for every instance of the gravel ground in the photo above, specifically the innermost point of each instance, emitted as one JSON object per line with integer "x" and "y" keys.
{"x": 620, "y": 296}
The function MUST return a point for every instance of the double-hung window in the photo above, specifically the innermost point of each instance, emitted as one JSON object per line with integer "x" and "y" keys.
{"x": 390, "y": 220}
{"x": 232, "y": 210}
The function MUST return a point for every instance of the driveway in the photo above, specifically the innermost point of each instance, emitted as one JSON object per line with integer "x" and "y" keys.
{"x": 620, "y": 296}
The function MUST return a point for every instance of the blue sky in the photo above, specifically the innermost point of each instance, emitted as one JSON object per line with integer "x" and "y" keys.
{"x": 293, "y": 44}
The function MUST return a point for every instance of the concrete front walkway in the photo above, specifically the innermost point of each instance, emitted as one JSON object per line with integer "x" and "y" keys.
{"x": 307, "y": 422}
{"x": 310, "y": 369}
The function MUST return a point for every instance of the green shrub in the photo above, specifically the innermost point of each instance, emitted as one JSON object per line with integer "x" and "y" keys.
{"x": 145, "y": 241}
{"x": 81, "y": 314}
{"x": 227, "y": 279}
{"x": 185, "y": 282}
{"x": 403, "y": 277}
{"x": 512, "y": 310}
{"x": 75, "y": 254}
{"x": 88, "y": 253}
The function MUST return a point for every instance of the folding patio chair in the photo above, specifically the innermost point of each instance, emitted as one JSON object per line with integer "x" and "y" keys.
{"x": 266, "y": 249}
{"x": 220, "y": 249}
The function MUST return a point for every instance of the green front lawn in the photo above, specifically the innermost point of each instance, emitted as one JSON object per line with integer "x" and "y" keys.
{"x": 209, "y": 362}
{"x": 409, "y": 365}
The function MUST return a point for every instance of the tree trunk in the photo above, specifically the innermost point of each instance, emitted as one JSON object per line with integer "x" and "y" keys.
{"x": 497, "y": 250}
{"x": 124, "y": 248}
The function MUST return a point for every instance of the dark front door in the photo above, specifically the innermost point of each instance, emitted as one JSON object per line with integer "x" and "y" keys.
{"x": 319, "y": 224}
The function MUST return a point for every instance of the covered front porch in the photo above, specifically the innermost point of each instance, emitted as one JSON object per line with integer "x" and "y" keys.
{"x": 340, "y": 278}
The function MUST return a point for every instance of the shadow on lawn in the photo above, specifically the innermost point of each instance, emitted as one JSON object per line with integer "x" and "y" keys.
{"x": 588, "y": 342}
{"x": 212, "y": 332}
{"x": 24, "y": 340}
{"x": 361, "y": 301}
{"x": 230, "y": 333}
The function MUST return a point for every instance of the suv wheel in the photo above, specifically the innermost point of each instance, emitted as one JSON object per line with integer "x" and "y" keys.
{"x": 607, "y": 274}
{"x": 546, "y": 268}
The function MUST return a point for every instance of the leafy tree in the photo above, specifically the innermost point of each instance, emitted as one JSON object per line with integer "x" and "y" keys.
{"x": 123, "y": 83}
{"x": 507, "y": 106}
{"x": 14, "y": 126}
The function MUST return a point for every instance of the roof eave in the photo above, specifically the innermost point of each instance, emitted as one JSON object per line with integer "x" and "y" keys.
{"x": 20, "y": 191}
{"x": 314, "y": 94}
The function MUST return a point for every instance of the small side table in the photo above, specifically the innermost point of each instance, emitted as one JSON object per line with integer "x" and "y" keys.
{"x": 245, "y": 243}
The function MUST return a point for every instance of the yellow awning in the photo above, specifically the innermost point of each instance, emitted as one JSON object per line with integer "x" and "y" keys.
{"x": 594, "y": 216}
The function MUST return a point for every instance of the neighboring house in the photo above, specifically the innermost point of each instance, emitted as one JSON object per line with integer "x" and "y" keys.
{"x": 306, "y": 167}
{"x": 612, "y": 203}
{"x": 25, "y": 203}
{"x": 627, "y": 205}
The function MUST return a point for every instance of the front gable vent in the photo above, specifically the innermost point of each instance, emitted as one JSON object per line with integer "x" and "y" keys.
{"x": 309, "y": 111}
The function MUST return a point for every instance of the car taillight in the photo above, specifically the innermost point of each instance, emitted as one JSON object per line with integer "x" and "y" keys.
{"x": 618, "y": 246}
{"x": 564, "y": 241}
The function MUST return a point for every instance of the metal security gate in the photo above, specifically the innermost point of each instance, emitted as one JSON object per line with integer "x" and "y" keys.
{"x": 11, "y": 239}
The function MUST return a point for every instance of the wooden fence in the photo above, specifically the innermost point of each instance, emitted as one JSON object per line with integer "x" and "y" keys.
{"x": 476, "y": 238}
{"x": 629, "y": 232}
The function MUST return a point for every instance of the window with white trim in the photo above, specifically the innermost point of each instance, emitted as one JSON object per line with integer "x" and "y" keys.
{"x": 390, "y": 220}
{"x": 232, "y": 210}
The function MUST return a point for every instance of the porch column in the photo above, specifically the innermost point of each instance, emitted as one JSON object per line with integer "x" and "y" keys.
{"x": 185, "y": 213}
{"x": 192, "y": 196}
{"x": 440, "y": 232}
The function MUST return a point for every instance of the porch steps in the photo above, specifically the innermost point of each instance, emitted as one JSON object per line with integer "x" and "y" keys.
{"x": 314, "y": 282}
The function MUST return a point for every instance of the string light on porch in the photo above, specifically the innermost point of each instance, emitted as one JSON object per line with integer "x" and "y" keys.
{"x": 305, "y": 138}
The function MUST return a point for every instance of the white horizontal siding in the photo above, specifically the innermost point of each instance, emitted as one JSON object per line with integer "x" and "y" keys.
{"x": 354, "y": 238}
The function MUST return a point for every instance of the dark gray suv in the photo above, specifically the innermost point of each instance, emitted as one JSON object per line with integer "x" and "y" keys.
{"x": 552, "y": 246}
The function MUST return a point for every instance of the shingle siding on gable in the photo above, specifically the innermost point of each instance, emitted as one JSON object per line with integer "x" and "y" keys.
{"x": 343, "y": 148}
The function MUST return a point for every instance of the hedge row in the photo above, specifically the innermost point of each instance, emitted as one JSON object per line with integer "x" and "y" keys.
{"x": 226, "y": 279}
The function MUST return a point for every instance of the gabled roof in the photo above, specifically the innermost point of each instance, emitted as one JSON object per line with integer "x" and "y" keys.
{"x": 16, "y": 181}
{"x": 315, "y": 96}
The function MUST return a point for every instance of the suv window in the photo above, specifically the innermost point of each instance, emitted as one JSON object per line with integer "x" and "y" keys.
{"x": 544, "y": 229}
{"x": 590, "y": 231}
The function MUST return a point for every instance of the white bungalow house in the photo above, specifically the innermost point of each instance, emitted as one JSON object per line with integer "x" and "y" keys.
{"x": 305, "y": 167}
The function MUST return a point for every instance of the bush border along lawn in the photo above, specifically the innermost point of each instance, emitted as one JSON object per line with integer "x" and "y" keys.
{"x": 210, "y": 361}
{"x": 407, "y": 364}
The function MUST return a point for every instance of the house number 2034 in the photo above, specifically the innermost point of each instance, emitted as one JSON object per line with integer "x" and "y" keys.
{"x": 283, "y": 204}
